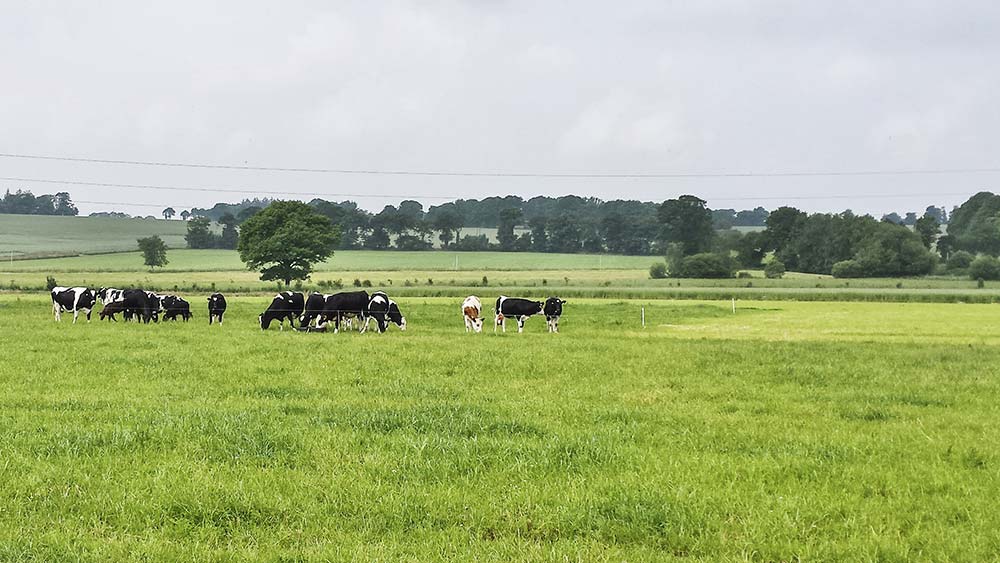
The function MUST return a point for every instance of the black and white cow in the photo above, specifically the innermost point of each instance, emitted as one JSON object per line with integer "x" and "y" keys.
{"x": 75, "y": 299}
{"x": 384, "y": 311}
{"x": 472, "y": 311}
{"x": 139, "y": 305}
{"x": 553, "y": 310}
{"x": 285, "y": 305}
{"x": 174, "y": 307}
{"x": 109, "y": 295}
{"x": 216, "y": 307}
{"x": 346, "y": 305}
{"x": 516, "y": 308}
{"x": 314, "y": 308}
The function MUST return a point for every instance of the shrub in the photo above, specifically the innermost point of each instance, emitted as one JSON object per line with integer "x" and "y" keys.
{"x": 774, "y": 269}
{"x": 707, "y": 265}
{"x": 366, "y": 283}
{"x": 50, "y": 283}
{"x": 960, "y": 260}
{"x": 657, "y": 271}
{"x": 743, "y": 275}
{"x": 985, "y": 267}
{"x": 357, "y": 282}
{"x": 486, "y": 281}
{"x": 847, "y": 269}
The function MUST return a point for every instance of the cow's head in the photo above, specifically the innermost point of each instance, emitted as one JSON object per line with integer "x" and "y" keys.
{"x": 395, "y": 315}
{"x": 553, "y": 307}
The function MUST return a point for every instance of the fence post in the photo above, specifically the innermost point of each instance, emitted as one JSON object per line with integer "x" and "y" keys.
{"x": 643, "y": 317}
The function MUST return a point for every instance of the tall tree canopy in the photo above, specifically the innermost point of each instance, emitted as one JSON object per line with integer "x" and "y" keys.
{"x": 285, "y": 240}
{"x": 687, "y": 222}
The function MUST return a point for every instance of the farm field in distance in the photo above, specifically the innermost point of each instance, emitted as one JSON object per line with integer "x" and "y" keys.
{"x": 820, "y": 431}
{"x": 435, "y": 273}
{"x": 47, "y": 235}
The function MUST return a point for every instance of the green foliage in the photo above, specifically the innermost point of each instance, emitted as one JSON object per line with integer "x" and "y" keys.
{"x": 285, "y": 241}
{"x": 658, "y": 271}
{"x": 928, "y": 228}
{"x": 707, "y": 265}
{"x": 774, "y": 269}
{"x": 973, "y": 226}
{"x": 50, "y": 283}
{"x": 505, "y": 227}
{"x": 199, "y": 233}
{"x": 687, "y": 222}
{"x": 25, "y": 203}
{"x": 848, "y": 269}
{"x": 230, "y": 237}
{"x": 154, "y": 251}
{"x": 895, "y": 251}
{"x": 985, "y": 268}
{"x": 960, "y": 260}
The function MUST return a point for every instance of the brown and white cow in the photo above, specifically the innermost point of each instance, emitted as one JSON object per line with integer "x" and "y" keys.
{"x": 472, "y": 309}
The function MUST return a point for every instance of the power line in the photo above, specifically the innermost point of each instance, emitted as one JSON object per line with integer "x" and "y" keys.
{"x": 264, "y": 191}
{"x": 243, "y": 191}
{"x": 499, "y": 174}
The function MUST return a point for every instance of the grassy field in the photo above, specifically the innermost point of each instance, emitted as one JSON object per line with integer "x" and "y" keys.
{"x": 786, "y": 431}
{"x": 458, "y": 273}
{"x": 39, "y": 235}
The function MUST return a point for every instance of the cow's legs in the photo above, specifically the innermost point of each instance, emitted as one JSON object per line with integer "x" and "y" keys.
{"x": 57, "y": 311}
{"x": 76, "y": 313}
{"x": 468, "y": 325}
{"x": 88, "y": 315}
{"x": 520, "y": 323}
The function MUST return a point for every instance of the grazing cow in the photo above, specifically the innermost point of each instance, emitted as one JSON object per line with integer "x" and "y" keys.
{"x": 516, "y": 308}
{"x": 74, "y": 299}
{"x": 285, "y": 305}
{"x": 112, "y": 308}
{"x": 216, "y": 307}
{"x": 139, "y": 305}
{"x": 383, "y": 310}
{"x": 553, "y": 310}
{"x": 344, "y": 306}
{"x": 314, "y": 308}
{"x": 174, "y": 307}
{"x": 156, "y": 303}
{"x": 109, "y": 295}
{"x": 472, "y": 310}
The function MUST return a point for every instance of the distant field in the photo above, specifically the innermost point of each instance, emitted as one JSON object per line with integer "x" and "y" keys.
{"x": 434, "y": 273}
{"x": 40, "y": 235}
{"x": 345, "y": 260}
{"x": 784, "y": 432}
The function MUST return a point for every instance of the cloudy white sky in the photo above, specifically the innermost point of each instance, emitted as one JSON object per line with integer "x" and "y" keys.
{"x": 506, "y": 86}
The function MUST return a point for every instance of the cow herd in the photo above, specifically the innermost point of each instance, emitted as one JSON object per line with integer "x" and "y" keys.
{"x": 317, "y": 313}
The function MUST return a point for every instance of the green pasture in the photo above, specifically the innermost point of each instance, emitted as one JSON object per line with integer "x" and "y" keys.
{"x": 40, "y": 235}
{"x": 439, "y": 273}
{"x": 186, "y": 260}
{"x": 786, "y": 431}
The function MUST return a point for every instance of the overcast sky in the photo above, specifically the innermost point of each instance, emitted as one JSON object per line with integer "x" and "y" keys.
{"x": 504, "y": 86}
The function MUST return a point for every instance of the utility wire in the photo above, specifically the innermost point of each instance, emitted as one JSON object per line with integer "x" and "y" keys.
{"x": 265, "y": 191}
{"x": 244, "y": 191}
{"x": 499, "y": 174}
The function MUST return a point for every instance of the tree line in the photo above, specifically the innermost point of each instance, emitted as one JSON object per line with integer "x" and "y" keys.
{"x": 25, "y": 203}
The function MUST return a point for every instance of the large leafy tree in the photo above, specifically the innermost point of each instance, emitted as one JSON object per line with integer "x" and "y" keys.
{"x": 687, "y": 222}
{"x": 974, "y": 227}
{"x": 230, "y": 235}
{"x": 154, "y": 251}
{"x": 285, "y": 240}
{"x": 928, "y": 228}
{"x": 168, "y": 213}
{"x": 505, "y": 227}
{"x": 449, "y": 223}
{"x": 199, "y": 233}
